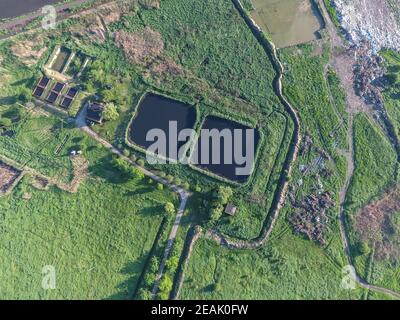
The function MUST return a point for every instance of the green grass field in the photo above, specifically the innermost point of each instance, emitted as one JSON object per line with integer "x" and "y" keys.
{"x": 375, "y": 164}
{"x": 97, "y": 240}
{"x": 101, "y": 235}
{"x": 287, "y": 267}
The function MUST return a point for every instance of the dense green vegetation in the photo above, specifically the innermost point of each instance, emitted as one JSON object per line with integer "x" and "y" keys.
{"x": 218, "y": 75}
{"x": 375, "y": 171}
{"x": 287, "y": 268}
{"x": 375, "y": 164}
{"x": 308, "y": 89}
{"x": 102, "y": 234}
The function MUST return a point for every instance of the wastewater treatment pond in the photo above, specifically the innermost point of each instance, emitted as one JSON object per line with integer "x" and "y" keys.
{"x": 230, "y": 152}
{"x": 223, "y": 147}
{"x": 157, "y": 112}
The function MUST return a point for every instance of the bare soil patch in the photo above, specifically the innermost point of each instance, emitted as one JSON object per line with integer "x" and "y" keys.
{"x": 8, "y": 175}
{"x": 29, "y": 51}
{"x": 146, "y": 48}
{"x": 140, "y": 46}
{"x": 378, "y": 224}
{"x": 93, "y": 23}
{"x": 81, "y": 172}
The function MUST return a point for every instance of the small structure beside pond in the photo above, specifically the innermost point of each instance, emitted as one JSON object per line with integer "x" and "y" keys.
{"x": 95, "y": 112}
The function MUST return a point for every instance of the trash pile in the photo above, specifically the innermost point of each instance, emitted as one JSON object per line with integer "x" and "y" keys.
{"x": 369, "y": 74}
{"x": 373, "y": 20}
{"x": 310, "y": 218}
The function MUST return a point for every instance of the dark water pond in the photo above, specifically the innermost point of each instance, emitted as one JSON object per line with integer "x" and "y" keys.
{"x": 228, "y": 163}
{"x": 15, "y": 8}
{"x": 156, "y": 112}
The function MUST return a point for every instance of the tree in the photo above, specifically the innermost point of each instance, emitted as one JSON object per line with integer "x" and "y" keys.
{"x": 126, "y": 152}
{"x": 149, "y": 279}
{"x": 161, "y": 174}
{"x": 126, "y": 169}
{"x": 363, "y": 248}
{"x": 133, "y": 157}
{"x": 165, "y": 285}
{"x": 223, "y": 194}
{"x": 163, "y": 295}
{"x": 169, "y": 208}
{"x": 144, "y": 294}
{"x": 24, "y": 95}
{"x": 137, "y": 173}
{"x": 140, "y": 162}
{"x": 154, "y": 264}
{"x": 186, "y": 186}
{"x": 110, "y": 112}
{"x": 216, "y": 213}
{"x": 160, "y": 186}
{"x": 5, "y": 122}
{"x": 393, "y": 78}
{"x": 172, "y": 263}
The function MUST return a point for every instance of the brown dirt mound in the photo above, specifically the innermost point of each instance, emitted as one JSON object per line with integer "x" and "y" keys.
{"x": 93, "y": 24}
{"x": 8, "y": 175}
{"x": 29, "y": 51}
{"x": 146, "y": 48}
{"x": 140, "y": 46}
{"x": 81, "y": 171}
{"x": 375, "y": 225}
